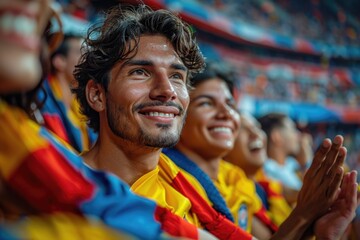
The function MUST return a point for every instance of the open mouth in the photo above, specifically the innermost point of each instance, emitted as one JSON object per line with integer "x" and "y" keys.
{"x": 256, "y": 145}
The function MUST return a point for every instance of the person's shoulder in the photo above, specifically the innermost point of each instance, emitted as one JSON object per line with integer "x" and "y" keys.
{"x": 232, "y": 170}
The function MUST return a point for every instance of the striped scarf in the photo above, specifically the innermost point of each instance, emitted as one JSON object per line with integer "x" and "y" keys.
{"x": 66, "y": 123}
{"x": 43, "y": 174}
{"x": 213, "y": 221}
{"x": 213, "y": 194}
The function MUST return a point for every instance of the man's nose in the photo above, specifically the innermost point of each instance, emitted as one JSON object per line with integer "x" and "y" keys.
{"x": 162, "y": 88}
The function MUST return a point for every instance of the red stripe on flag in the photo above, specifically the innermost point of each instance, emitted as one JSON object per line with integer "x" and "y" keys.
{"x": 264, "y": 218}
{"x": 175, "y": 225}
{"x": 54, "y": 123}
{"x": 214, "y": 222}
{"x": 49, "y": 182}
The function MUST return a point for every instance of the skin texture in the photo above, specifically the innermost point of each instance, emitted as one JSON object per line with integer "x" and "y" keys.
{"x": 20, "y": 68}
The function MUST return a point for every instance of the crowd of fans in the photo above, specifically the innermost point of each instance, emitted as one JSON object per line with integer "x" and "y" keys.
{"x": 331, "y": 22}
{"x": 130, "y": 126}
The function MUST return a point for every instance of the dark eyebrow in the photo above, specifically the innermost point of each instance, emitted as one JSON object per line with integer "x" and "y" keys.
{"x": 133, "y": 62}
{"x": 178, "y": 66}
{"x": 203, "y": 96}
{"x": 232, "y": 100}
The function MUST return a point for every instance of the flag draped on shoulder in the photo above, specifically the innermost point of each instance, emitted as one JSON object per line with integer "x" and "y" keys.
{"x": 214, "y": 222}
{"x": 44, "y": 172}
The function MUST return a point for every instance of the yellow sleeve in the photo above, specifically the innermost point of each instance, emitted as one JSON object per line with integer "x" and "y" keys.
{"x": 61, "y": 226}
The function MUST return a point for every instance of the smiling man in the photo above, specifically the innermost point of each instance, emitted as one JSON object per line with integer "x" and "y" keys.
{"x": 132, "y": 86}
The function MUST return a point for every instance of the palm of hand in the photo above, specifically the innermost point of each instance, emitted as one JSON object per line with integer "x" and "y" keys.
{"x": 341, "y": 213}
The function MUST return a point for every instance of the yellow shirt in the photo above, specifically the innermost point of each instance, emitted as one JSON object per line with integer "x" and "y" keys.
{"x": 239, "y": 193}
{"x": 156, "y": 185}
{"x": 279, "y": 209}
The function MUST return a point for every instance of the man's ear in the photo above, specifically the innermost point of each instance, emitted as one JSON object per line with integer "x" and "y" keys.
{"x": 95, "y": 96}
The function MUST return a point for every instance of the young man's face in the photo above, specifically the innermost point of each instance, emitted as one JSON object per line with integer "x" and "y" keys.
{"x": 249, "y": 150}
{"x": 212, "y": 123}
{"x": 147, "y": 95}
{"x": 72, "y": 58}
{"x": 21, "y": 27}
{"x": 290, "y": 137}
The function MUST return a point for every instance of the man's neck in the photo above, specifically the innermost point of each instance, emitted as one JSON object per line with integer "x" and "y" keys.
{"x": 122, "y": 158}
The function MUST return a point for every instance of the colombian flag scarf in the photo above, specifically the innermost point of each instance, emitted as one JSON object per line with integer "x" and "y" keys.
{"x": 218, "y": 202}
{"x": 66, "y": 123}
{"x": 189, "y": 166}
{"x": 211, "y": 220}
{"x": 278, "y": 208}
{"x": 47, "y": 177}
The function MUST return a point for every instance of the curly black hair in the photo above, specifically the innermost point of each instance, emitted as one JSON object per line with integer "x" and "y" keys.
{"x": 110, "y": 43}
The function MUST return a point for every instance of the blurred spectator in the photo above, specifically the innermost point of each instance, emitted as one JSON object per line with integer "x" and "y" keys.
{"x": 60, "y": 111}
{"x": 289, "y": 152}
{"x": 249, "y": 153}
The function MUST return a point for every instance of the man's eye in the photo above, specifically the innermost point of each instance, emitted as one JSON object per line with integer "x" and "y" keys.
{"x": 205, "y": 103}
{"x": 138, "y": 72}
{"x": 177, "y": 76}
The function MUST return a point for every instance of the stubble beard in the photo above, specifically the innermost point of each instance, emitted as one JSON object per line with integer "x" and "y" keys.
{"x": 140, "y": 136}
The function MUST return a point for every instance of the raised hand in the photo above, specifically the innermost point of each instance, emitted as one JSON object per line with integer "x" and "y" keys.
{"x": 319, "y": 192}
{"x": 333, "y": 224}
{"x": 322, "y": 180}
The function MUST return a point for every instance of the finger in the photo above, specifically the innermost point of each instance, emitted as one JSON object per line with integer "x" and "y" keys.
{"x": 319, "y": 156}
{"x": 331, "y": 156}
{"x": 344, "y": 185}
{"x": 339, "y": 162}
{"x": 351, "y": 191}
{"x": 332, "y": 191}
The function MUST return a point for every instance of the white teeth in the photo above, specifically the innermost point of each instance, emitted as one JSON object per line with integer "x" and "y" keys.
{"x": 160, "y": 114}
{"x": 19, "y": 25}
{"x": 256, "y": 144}
{"x": 222, "y": 129}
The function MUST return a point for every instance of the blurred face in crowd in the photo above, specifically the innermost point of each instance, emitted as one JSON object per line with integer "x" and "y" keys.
{"x": 72, "y": 57}
{"x": 290, "y": 139}
{"x": 21, "y": 25}
{"x": 212, "y": 121}
{"x": 249, "y": 152}
{"x": 147, "y": 95}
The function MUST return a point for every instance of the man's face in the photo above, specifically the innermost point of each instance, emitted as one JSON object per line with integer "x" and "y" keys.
{"x": 290, "y": 137}
{"x": 211, "y": 123}
{"x": 147, "y": 96}
{"x": 21, "y": 27}
{"x": 72, "y": 58}
{"x": 249, "y": 150}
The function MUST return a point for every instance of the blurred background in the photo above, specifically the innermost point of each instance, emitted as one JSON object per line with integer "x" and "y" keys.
{"x": 301, "y": 58}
